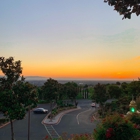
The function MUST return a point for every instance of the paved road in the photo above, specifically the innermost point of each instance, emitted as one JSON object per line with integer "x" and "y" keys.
{"x": 37, "y": 130}
{"x": 73, "y": 122}
{"x": 77, "y": 122}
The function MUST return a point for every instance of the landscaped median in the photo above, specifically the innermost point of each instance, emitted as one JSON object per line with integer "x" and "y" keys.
{"x": 57, "y": 117}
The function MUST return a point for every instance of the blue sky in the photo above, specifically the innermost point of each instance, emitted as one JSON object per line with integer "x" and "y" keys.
{"x": 70, "y": 39}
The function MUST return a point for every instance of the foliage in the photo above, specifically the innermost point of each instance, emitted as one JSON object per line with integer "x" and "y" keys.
{"x": 114, "y": 91}
{"x": 54, "y": 111}
{"x": 116, "y": 127}
{"x": 138, "y": 102}
{"x": 27, "y": 94}
{"x": 15, "y": 102}
{"x": 40, "y": 94}
{"x": 60, "y": 103}
{"x": 110, "y": 108}
{"x": 15, "y": 94}
{"x": 134, "y": 89}
{"x": 91, "y": 92}
{"x": 125, "y": 7}
{"x": 81, "y": 137}
{"x": 50, "y": 89}
{"x": 12, "y": 71}
{"x": 42, "y": 101}
{"x": 134, "y": 118}
{"x": 3, "y": 120}
{"x": 72, "y": 137}
{"x": 79, "y": 96}
{"x": 123, "y": 104}
{"x": 100, "y": 93}
{"x": 71, "y": 89}
{"x": 10, "y": 105}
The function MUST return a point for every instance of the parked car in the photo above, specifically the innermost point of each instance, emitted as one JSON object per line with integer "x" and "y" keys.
{"x": 40, "y": 111}
{"x": 93, "y": 104}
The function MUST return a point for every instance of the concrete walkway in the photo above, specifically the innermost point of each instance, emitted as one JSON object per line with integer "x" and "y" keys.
{"x": 57, "y": 118}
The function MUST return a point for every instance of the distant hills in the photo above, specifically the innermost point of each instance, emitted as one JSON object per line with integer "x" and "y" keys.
{"x": 39, "y": 80}
{"x": 30, "y": 78}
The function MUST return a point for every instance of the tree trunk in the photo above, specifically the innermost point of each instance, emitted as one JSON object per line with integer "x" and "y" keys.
{"x": 12, "y": 130}
{"x": 51, "y": 111}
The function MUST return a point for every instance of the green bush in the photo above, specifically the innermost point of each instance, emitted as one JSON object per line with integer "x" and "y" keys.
{"x": 79, "y": 96}
{"x": 72, "y": 137}
{"x": 3, "y": 120}
{"x": 70, "y": 105}
{"x": 116, "y": 127}
{"x": 42, "y": 101}
{"x": 134, "y": 118}
{"x": 54, "y": 111}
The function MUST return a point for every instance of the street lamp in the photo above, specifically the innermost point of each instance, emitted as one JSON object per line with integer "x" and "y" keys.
{"x": 133, "y": 106}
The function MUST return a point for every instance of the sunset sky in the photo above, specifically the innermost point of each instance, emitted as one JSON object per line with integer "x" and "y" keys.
{"x": 72, "y": 39}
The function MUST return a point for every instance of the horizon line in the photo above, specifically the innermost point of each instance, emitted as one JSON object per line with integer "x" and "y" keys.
{"x": 70, "y": 78}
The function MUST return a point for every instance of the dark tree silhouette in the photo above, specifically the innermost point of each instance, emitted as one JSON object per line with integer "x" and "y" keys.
{"x": 125, "y": 7}
{"x": 15, "y": 94}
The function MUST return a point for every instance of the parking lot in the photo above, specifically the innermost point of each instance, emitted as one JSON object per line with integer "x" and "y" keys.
{"x": 37, "y": 129}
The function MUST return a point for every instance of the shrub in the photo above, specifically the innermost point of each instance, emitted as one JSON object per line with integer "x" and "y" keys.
{"x": 135, "y": 119}
{"x": 70, "y": 105}
{"x": 116, "y": 127}
{"x": 73, "y": 137}
{"x": 42, "y": 101}
{"x": 81, "y": 137}
{"x": 3, "y": 120}
{"x": 60, "y": 103}
{"x": 79, "y": 96}
{"x": 138, "y": 102}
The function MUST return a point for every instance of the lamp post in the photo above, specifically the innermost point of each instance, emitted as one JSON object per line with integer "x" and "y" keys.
{"x": 133, "y": 106}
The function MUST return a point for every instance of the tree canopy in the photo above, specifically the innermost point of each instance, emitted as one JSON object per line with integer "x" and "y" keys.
{"x": 125, "y": 7}
{"x": 71, "y": 90}
{"x": 100, "y": 93}
{"x": 16, "y": 95}
{"x": 50, "y": 89}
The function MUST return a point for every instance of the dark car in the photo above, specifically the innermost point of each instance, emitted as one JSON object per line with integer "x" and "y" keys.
{"x": 40, "y": 111}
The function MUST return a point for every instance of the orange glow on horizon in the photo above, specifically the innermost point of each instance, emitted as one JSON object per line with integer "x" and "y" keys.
{"x": 97, "y": 70}
{"x": 84, "y": 75}
{"x": 80, "y": 75}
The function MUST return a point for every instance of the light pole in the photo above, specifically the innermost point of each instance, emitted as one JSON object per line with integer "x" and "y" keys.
{"x": 29, "y": 123}
{"x": 133, "y": 107}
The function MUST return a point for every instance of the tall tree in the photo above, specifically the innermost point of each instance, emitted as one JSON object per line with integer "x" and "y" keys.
{"x": 100, "y": 93}
{"x": 72, "y": 91}
{"x": 61, "y": 91}
{"x": 114, "y": 91}
{"x": 134, "y": 89}
{"x": 125, "y": 7}
{"x": 15, "y": 94}
{"x": 50, "y": 90}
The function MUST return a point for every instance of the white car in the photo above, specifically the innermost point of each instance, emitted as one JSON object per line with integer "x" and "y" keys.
{"x": 93, "y": 104}
{"x": 40, "y": 111}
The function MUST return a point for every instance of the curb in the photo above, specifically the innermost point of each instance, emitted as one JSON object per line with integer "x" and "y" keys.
{"x": 59, "y": 119}
{"x": 4, "y": 124}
